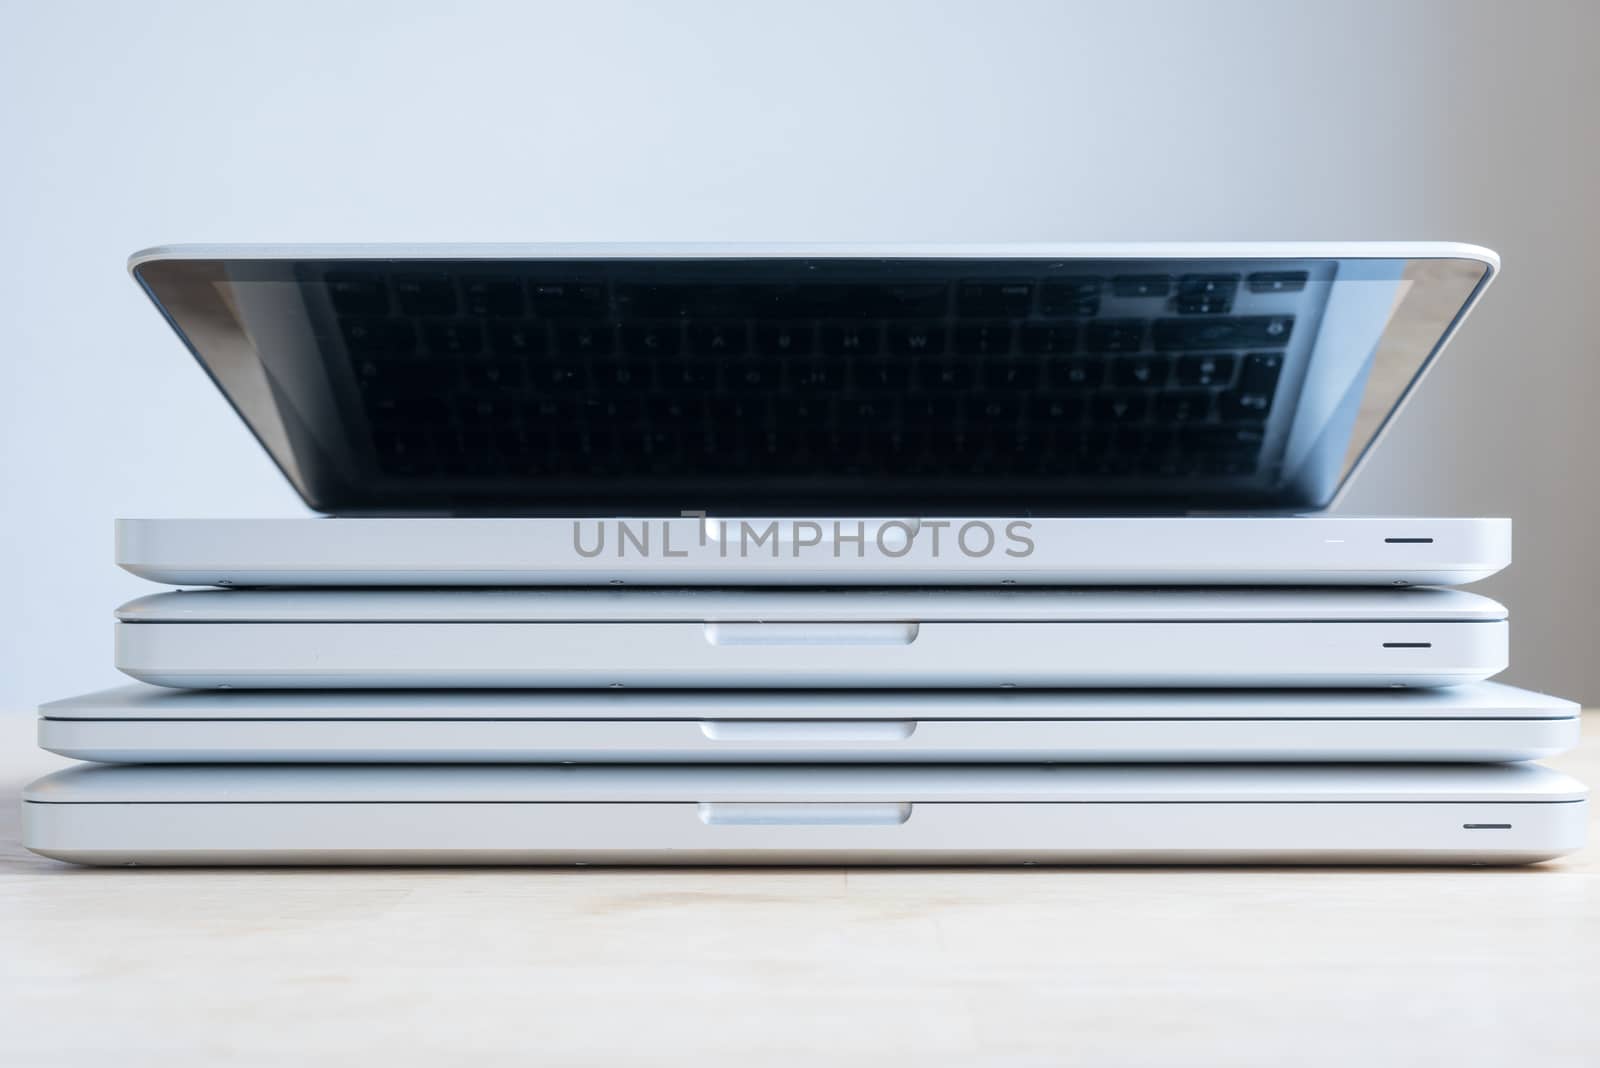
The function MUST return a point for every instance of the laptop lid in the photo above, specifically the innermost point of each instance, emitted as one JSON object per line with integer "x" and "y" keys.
{"x": 839, "y": 380}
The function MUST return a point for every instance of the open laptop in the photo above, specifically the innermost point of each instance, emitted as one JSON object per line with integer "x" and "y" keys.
{"x": 817, "y": 415}
{"x": 138, "y": 723}
{"x": 862, "y": 814}
{"x": 894, "y": 638}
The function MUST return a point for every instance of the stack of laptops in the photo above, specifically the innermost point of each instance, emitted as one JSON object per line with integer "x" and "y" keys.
{"x": 813, "y": 555}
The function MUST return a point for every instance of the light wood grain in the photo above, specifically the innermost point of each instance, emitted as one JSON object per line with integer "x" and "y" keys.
{"x": 926, "y": 967}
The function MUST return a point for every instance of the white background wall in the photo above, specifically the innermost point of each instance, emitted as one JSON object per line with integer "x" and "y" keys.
{"x": 125, "y": 125}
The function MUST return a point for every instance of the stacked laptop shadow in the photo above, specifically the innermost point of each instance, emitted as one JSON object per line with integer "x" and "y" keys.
{"x": 489, "y": 680}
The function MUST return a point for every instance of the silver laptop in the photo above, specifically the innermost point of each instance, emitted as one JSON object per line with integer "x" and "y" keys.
{"x": 138, "y": 723}
{"x": 702, "y": 637}
{"x": 1038, "y": 551}
{"x": 689, "y": 814}
{"x": 817, "y": 415}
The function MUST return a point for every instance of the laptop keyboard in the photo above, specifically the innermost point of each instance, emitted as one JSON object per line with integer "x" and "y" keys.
{"x": 1121, "y": 376}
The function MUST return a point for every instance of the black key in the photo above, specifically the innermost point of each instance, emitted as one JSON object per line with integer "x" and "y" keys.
{"x": 983, "y": 339}
{"x": 517, "y": 337}
{"x": 425, "y": 294}
{"x": 655, "y": 444}
{"x": 794, "y": 446}
{"x": 800, "y": 302}
{"x": 783, "y": 339}
{"x": 718, "y": 339}
{"x": 884, "y": 374}
{"x": 651, "y": 339}
{"x": 617, "y": 410}
{"x": 482, "y": 408}
{"x": 690, "y": 301}
{"x": 1115, "y": 335}
{"x": 1141, "y": 285}
{"x": 454, "y": 337}
{"x": 948, "y": 444}
{"x": 392, "y": 337}
{"x": 1183, "y": 405}
{"x": 1210, "y": 369}
{"x": 905, "y": 301}
{"x": 901, "y": 446}
{"x": 400, "y": 443}
{"x": 399, "y": 380}
{"x": 1045, "y": 410}
{"x": 936, "y": 411}
{"x": 493, "y": 298}
{"x": 1203, "y": 305}
{"x": 766, "y": 447}
{"x": 559, "y": 374}
{"x": 690, "y": 374}
{"x": 850, "y": 339}
{"x": 802, "y": 412}
{"x": 495, "y": 374}
{"x": 1075, "y": 298}
{"x": 841, "y": 301}
{"x": 1079, "y": 373}
{"x": 1227, "y": 463}
{"x": 754, "y": 374}
{"x": 1113, "y": 464}
{"x": 1278, "y": 281}
{"x": 818, "y": 374}
{"x": 1250, "y": 330}
{"x": 875, "y": 409}
{"x": 1206, "y": 294}
{"x": 568, "y": 300}
{"x": 704, "y": 447}
{"x": 357, "y": 292}
{"x": 1049, "y": 339}
{"x": 554, "y": 412}
{"x": 916, "y": 339}
{"x": 585, "y": 339}
{"x": 1165, "y": 465}
{"x": 404, "y": 453}
{"x": 946, "y": 374}
{"x": 621, "y": 375}
{"x": 1009, "y": 373}
{"x": 1237, "y": 404}
{"x": 992, "y": 409}
{"x": 670, "y": 408}
{"x": 735, "y": 413}
{"x": 510, "y": 442}
{"x": 1140, "y": 371}
{"x": 1208, "y": 285}
{"x": 1019, "y": 449}
{"x": 1259, "y": 372}
{"x": 406, "y": 412}
{"x": 1013, "y": 299}
{"x": 1119, "y": 407}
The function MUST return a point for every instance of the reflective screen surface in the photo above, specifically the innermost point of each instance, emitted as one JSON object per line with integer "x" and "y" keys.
{"x": 625, "y": 384}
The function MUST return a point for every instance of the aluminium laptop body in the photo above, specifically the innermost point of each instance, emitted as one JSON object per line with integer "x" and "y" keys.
{"x": 816, "y": 415}
{"x": 713, "y": 551}
{"x": 138, "y": 723}
{"x": 863, "y": 814}
{"x": 709, "y": 638}
{"x": 1010, "y": 384}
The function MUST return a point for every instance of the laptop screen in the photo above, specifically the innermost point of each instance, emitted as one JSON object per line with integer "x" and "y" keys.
{"x": 608, "y": 382}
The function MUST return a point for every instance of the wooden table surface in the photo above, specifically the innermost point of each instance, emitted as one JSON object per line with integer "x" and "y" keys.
{"x": 1236, "y": 967}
